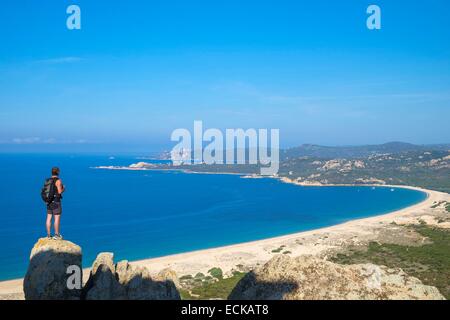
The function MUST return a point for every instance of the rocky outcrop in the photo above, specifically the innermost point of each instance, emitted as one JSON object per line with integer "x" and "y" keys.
{"x": 46, "y": 278}
{"x": 169, "y": 274}
{"x": 103, "y": 283}
{"x": 122, "y": 281}
{"x": 49, "y": 273}
{"x": 310, "y": 278}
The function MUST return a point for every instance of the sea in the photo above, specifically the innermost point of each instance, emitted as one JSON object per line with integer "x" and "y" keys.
{"x": 145, "y": 214}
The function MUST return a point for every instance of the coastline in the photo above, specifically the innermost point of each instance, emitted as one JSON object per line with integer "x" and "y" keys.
{"x": 248, "y": 255}
{"x": 261, "y": 249}
{"x": 258, "y": 176}
{"x": 186, "y": 171}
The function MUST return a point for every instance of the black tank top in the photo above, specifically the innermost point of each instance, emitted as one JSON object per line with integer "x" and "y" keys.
{"x": 58, "y": 196}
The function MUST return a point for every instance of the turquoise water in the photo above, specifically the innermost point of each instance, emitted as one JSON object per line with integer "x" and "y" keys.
{"x": 142, "y": 214}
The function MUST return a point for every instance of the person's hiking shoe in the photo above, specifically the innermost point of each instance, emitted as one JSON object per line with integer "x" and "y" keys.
{"x": 49, "y": 237}
{"x": 57, "y": 237}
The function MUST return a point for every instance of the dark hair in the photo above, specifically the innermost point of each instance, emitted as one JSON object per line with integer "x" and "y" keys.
{"x": 55, "y": 171}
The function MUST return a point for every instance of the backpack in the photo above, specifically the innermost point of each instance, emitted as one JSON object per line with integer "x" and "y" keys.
{"x": 48, "y": 191}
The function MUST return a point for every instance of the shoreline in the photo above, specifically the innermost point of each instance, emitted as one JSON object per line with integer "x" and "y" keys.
{"x": 432, "y": 197}
{"x": 258, "y": 176}
{"x": 254, "y": 253}
{"x": 186, "y": 171}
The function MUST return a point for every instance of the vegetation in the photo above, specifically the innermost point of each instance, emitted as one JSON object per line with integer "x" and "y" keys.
{"x": 438, "y": 204}
{"x": 216, "y": 273}
{"x": 430, "y": 262}
{"x": 212, "y": 289}
{"x": 186, "y": 277}
{"x": 392, "y": 163}
{"x": 278, "y": 250}
{"x": 416, "y": 168}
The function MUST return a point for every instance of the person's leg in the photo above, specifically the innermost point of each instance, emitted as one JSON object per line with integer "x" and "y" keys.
{"x": 48, "y": 224}
{"x": 57, "y": 221}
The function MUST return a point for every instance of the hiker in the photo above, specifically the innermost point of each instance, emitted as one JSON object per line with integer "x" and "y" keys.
{"x": 52, "y": 194}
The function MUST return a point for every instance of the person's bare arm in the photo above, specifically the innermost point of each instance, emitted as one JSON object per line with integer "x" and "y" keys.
{"x": 59, "y": 185}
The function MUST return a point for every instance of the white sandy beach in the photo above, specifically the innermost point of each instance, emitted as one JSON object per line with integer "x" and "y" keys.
{"x": 314, "y": 242}
{"x": 247, "y": 255}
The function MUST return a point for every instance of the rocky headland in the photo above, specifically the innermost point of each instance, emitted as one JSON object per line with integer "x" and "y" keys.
{"x": 54, "y": 263}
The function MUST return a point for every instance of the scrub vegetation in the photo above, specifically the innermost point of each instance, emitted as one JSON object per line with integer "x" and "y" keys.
{"x": 429, "y": 262}
{"x": 203, "y": 287}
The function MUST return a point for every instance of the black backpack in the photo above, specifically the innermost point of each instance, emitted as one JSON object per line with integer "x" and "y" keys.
{"x": 48, "y": 191}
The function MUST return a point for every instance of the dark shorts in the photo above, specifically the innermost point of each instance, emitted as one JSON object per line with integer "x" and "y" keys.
{"x": 54, "y": 208}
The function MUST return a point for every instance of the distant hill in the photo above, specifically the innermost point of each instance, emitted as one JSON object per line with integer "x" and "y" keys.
{"x": 349, "y": 152}
{"x": 396, "y": 163}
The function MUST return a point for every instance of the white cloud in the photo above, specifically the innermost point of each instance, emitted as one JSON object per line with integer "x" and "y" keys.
{"x": 33, "y": 140}
{"x": 49, "y": 141}
{"x": 60, "y": 60}
{"x": 28, "y": 140}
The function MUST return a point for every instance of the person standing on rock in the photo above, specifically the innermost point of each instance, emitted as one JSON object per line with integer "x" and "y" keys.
{"x": 52, "y": 194}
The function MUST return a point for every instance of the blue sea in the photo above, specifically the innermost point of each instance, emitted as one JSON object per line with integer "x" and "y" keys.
{"x": 143, "y": 214}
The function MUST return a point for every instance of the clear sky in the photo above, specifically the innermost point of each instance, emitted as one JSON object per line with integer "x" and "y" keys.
{"x": 137, "y": 70}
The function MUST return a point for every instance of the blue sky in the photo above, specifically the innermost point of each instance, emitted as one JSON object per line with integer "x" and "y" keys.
{"x": 137, "y": 70}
